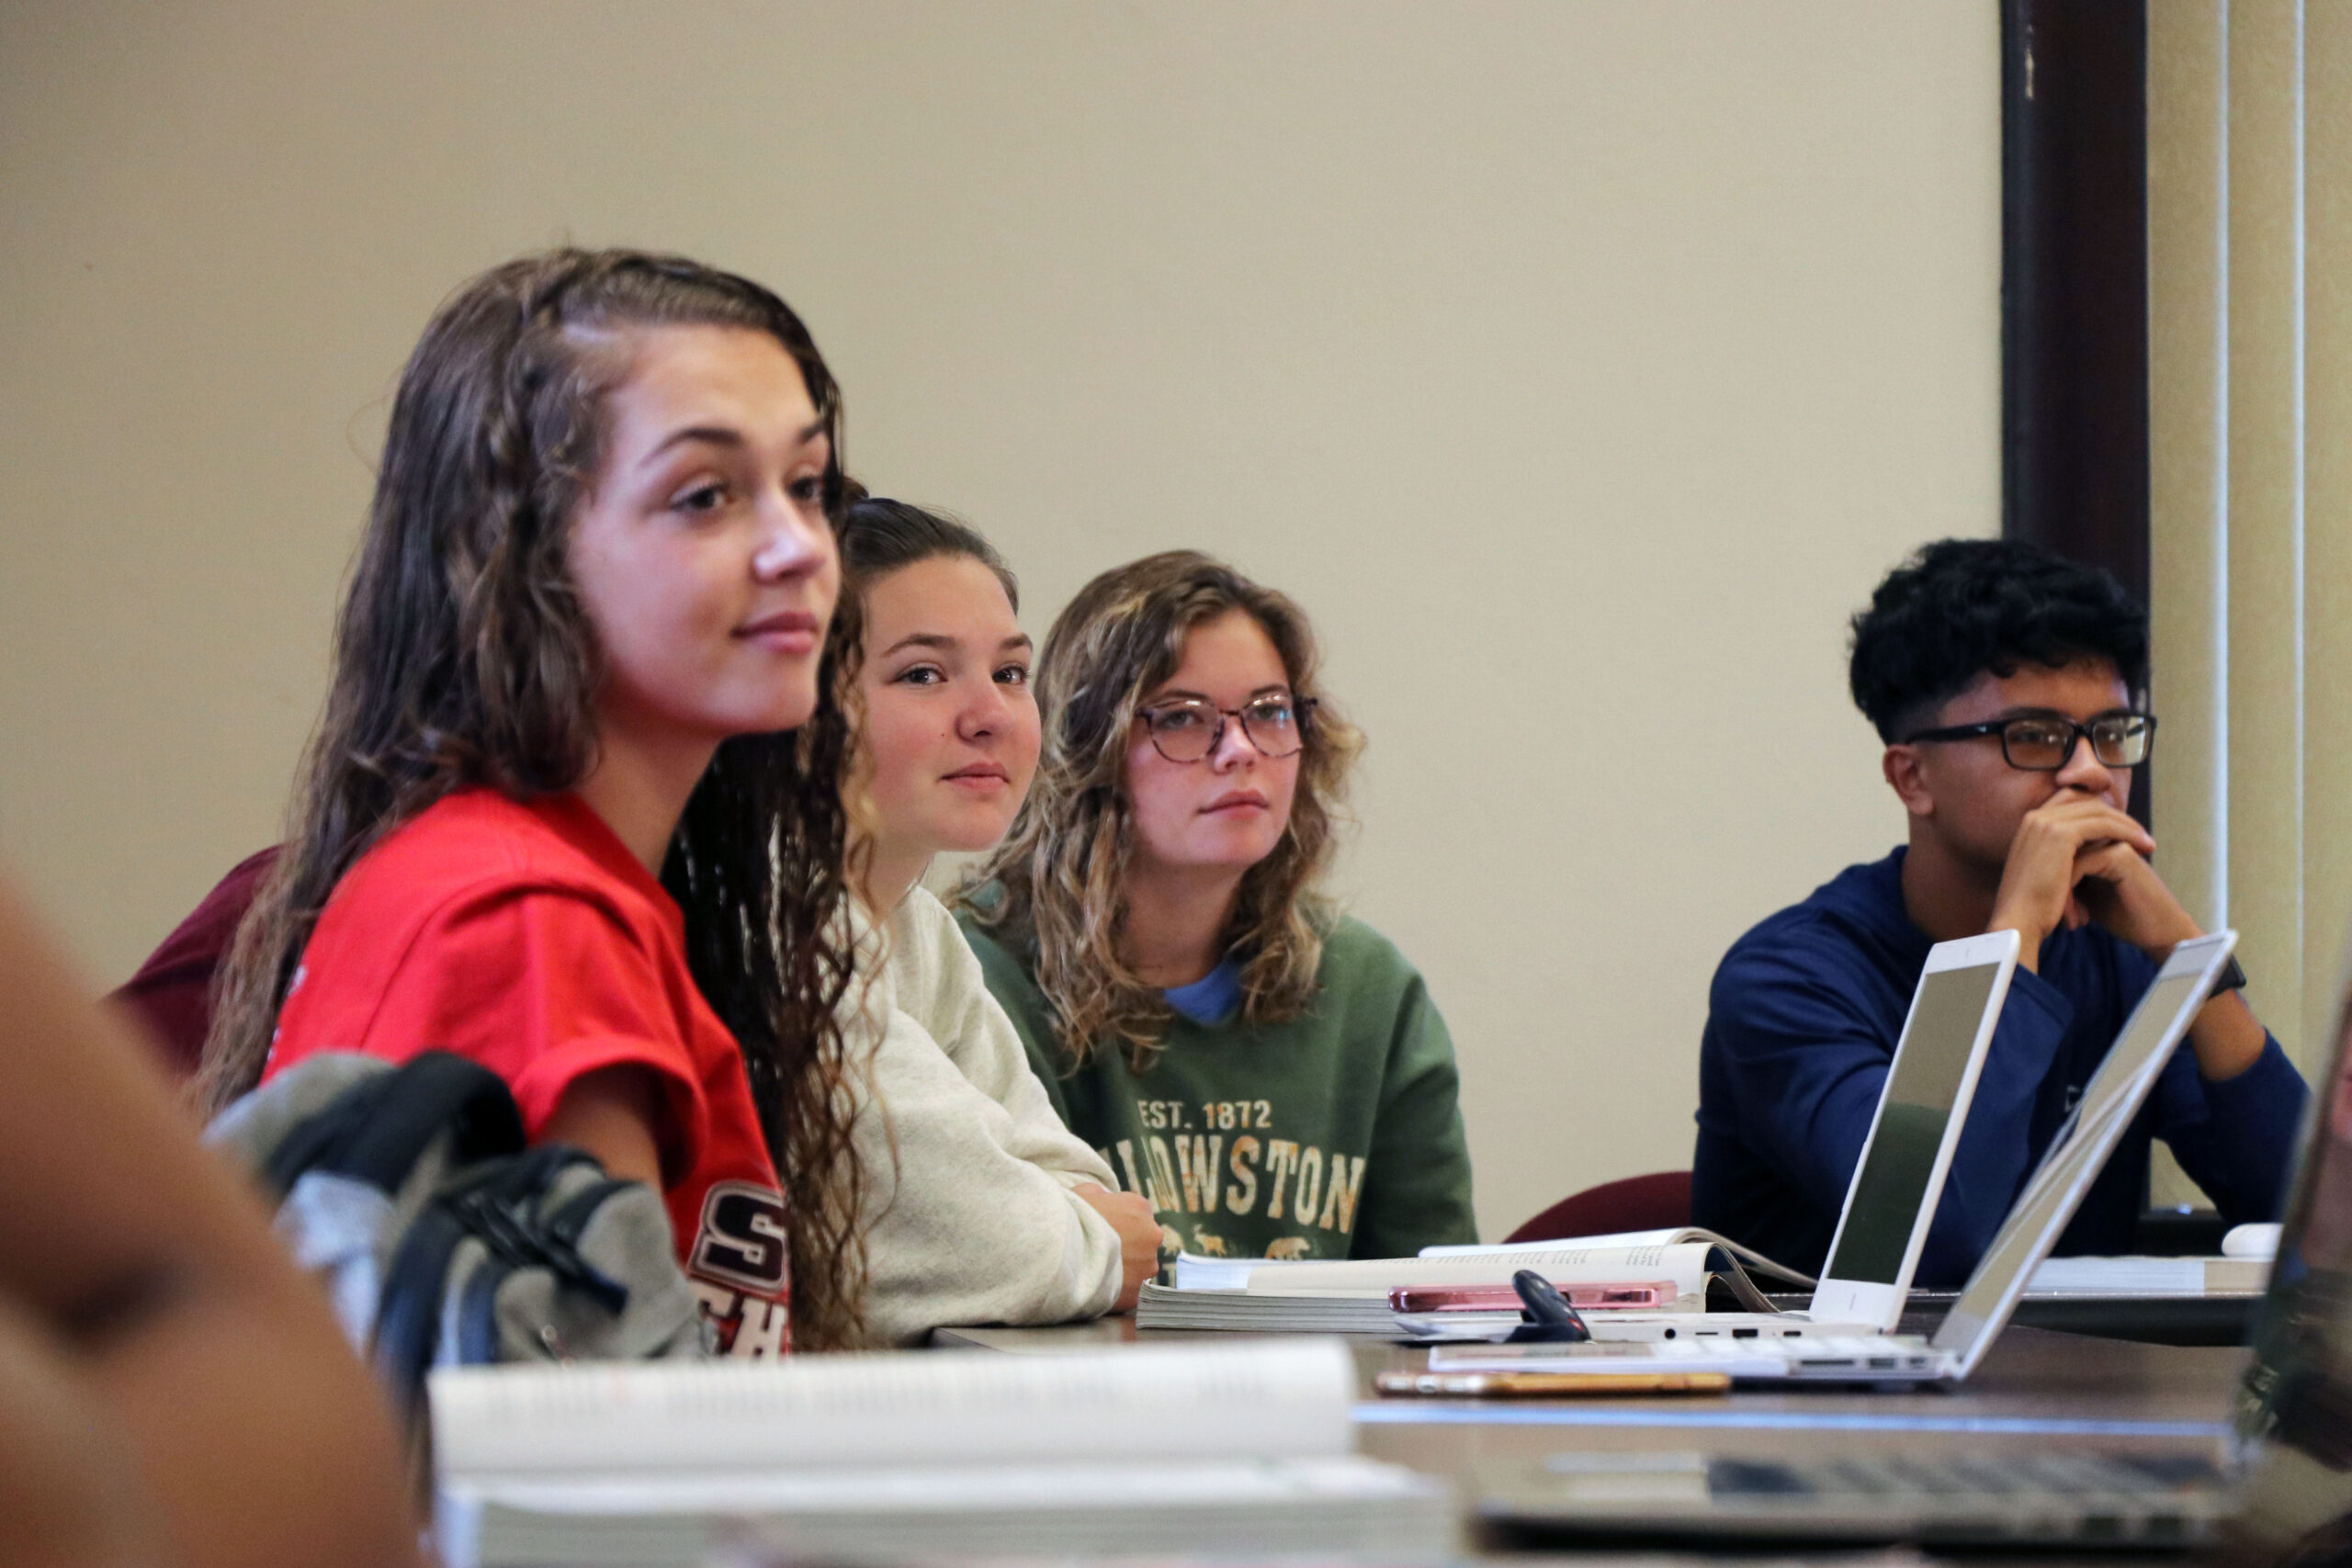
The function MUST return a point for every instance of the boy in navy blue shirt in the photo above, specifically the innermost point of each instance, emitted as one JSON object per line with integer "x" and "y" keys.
{"x": 2009, "y": 687}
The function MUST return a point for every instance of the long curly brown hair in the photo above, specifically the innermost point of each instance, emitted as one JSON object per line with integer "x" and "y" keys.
{"x": 1056, "y": 887}
{"x": 463, "y": 657}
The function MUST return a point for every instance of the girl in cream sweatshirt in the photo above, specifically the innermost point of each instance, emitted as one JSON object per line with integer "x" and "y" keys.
{"x": 979, "y": 1206}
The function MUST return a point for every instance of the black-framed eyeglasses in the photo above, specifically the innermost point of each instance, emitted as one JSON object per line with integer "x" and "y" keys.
{"x": 2042, "y": 743}
{"x": 1186, "y": 729}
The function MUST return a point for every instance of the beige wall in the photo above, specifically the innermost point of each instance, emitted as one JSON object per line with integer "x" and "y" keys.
{"x": 1580, "y": 366}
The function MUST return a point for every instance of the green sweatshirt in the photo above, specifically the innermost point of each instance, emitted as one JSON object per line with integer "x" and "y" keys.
{"x": 1336, "y": 1135}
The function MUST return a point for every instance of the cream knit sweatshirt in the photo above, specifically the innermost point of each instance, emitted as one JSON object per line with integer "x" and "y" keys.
{"x": 969, "y": 1216}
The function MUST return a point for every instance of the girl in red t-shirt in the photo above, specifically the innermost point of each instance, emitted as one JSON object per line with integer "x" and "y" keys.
{"x": 584, "y": 650}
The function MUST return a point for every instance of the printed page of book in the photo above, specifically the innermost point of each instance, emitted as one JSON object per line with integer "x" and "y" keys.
{"x": 1618, "y": 1238}
{"x": 1264, "y": 1399}
{"x": 1748, "y": 1256}
{"x": 1195, "y": 1272}
{"x": 1685, "y": 1265}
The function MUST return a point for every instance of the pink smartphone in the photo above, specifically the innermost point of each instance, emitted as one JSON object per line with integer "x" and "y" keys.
{"x": 1502, "y": 1298}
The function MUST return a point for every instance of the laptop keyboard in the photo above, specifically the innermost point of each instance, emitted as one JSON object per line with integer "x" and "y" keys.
{"x": 2050, "y": 1495}
{"x": 2040, "y": 1474}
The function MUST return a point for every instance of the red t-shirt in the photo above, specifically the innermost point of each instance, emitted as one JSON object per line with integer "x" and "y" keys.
{"x": 523, "y": 935}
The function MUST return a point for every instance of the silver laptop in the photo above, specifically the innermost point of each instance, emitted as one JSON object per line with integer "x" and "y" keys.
{"x": 2073, "y": 1162}
{"x": 2283, "y": 1494}
{"x": 1899, "y": 1178}
{"x": 2290, "y": 1449}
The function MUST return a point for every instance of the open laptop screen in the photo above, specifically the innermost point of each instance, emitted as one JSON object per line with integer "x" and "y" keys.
{"x": 1929, "y": 1063}
{"x": 2295, "y": 1413}
{"x": 2109, "y": 1101}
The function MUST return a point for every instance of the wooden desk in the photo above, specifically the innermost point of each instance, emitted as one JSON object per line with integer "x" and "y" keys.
{"x": 2035, "y": 1388}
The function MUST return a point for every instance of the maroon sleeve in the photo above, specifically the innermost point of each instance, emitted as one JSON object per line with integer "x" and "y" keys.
{"x": 171, "y": 993}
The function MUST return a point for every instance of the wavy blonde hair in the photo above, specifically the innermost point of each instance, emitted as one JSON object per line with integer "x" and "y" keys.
{"x": 1060, "y": 874}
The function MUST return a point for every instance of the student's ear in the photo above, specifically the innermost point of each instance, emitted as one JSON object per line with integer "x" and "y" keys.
{"x": 1900, "y": 764}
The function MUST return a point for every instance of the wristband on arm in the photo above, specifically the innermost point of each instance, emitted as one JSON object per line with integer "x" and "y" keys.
{"x": 2232, "y": 979}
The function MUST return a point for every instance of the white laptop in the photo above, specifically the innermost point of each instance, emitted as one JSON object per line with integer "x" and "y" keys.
{"x": 2283, "y": 1493}
{"x": 1897, "y": 1182}
{"x": 2073, "y": 1162}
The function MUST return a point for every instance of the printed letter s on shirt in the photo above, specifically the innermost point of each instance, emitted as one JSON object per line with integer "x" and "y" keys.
{"x": 1242, "y": 1196}
{"x": 743, "y": 1238}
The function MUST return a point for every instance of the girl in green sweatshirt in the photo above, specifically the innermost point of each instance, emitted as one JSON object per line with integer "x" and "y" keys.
{"x": 1272, "y": 1075}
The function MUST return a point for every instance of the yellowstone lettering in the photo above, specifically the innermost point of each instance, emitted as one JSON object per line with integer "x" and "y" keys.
{"x": 1331, "y": 1134}
{"x": 1191, "y": 1176}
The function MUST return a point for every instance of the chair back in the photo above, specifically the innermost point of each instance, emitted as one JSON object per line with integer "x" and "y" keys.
{"x": 1660, "y": 1201}
{"x": 173, "y": 992}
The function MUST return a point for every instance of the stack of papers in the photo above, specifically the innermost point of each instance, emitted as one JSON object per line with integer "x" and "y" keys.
{"x": 1319, "y": 1508}
{"x": 1239, "y": 1312}
{"x": 1228, "y": 1449}
{"x": 2149, "y": 1277}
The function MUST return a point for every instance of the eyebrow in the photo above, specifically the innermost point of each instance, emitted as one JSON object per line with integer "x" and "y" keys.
{"x": 922, "y": 639}
{"x": 946, "y": 644}
{"x": 1161, "y": 696}
{"x": 2009, "y": 713}
{"x": 723, "y": 435}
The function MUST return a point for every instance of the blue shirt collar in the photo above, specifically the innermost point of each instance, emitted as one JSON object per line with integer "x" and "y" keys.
{"x": 1213, "y": 998}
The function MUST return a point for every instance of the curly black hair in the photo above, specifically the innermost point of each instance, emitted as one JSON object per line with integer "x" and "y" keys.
{"x": 1958, "y": 608}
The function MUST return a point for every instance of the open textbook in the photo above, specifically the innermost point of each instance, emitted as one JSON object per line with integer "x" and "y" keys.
{"x": 1747, "y": 1256}
{"x": 1351, "y": 1296}
{"x": 1227, "y": 1449}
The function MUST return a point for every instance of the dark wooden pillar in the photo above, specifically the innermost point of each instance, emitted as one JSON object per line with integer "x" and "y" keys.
{"x": 2075, "y": 280}
{"x": 2075, "y": 286}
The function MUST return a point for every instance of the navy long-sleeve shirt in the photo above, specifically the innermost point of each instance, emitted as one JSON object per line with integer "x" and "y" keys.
{"x": 1802, "y": 1021}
